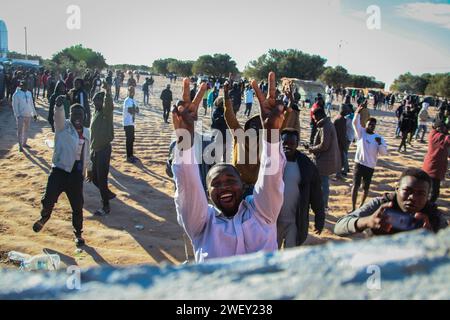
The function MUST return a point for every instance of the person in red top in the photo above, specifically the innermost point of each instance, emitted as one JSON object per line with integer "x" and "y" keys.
{"x": 436, "y": 159}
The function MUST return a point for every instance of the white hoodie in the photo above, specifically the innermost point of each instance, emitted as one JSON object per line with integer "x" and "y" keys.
{"x": 423, "y": 114}
{"x": 23, "y": 105}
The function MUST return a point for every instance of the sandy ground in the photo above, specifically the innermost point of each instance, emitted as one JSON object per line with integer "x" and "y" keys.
{"x": 144, "y": 191}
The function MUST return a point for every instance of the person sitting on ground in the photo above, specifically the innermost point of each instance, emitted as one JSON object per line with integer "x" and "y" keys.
{"x": 233, "y": 225}
{"x": 302, "y": 191}
{"x": 70, "y": 163}
{"x": 406, "y": 209}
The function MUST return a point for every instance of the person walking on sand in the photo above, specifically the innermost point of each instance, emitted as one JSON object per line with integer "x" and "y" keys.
{"x": 102, "y": 134}
{"x": 23, "y": 108}
{"x": 436, "y": 159}
{"x": 326, "y": 151}
{"x": 166, "y": 97}
{"x": 145, "y": 90}
{"x": 130, "y": 109}
{"x": 368, "y": 146}
{"x": 69, "y": 166}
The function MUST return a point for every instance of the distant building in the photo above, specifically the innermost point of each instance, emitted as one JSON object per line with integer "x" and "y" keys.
{"x": 3, "y": 40}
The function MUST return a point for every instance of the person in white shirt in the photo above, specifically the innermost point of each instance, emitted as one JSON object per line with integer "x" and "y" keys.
{"x": 231, "y": 225}
{"x": 248, "y": 95}
{"x": 368, "y": 146}
{"x": 130, "y": 109}
{"x": 23, "y": 108}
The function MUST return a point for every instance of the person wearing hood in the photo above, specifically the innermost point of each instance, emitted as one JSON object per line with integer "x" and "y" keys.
{"x": 325, "y": 150}
{"x": 422, "y": 120}
{"x": 60, "y": 90}
{"x": 69, "y": 166}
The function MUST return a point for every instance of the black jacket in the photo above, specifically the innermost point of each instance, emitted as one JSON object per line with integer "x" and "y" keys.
{"x": 75, "y": 98}
{"x": 310, "y": 198}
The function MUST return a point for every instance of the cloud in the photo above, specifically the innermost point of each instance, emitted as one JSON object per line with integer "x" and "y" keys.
{"x": 435, "y": 13}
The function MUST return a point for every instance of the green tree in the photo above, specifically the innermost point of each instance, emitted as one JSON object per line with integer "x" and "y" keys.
{"x": 218, "y": 65}
{"x": 161, "y": 65}
{"x": 182, "y": 68}
{"x": 18, "y": 55}
{"x": 438, "y": 85}
{"x": 77, "y": 53}
{"x": 359, "y": 81}
{"x": 410, "y": 83}
{"x": 336, "y": 77}
{"x": 289, "y": 63}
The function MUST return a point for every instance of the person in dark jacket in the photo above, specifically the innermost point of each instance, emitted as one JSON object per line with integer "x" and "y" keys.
{"x": 236, "y": 97}
{"x": 102, "y": 134}
{"x": 218, "y": 123}
{"x": 398, "y": 114}
{"x": 79, "y": 96}
{"x": 60, "y": 90}
{"x": 340, "y": 124}
{"x": 325, "y": 150}
{"x": 302, "y": 192}
{"x": 406, "y": 126}
{"x": 406, "y": 209}
{"x": 166, "y": 97}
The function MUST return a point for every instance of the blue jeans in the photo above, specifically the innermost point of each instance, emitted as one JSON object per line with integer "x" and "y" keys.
{"x": 421, "y": 127}
{"x": 325, "y": 181}
{"x": 328, "y": 108}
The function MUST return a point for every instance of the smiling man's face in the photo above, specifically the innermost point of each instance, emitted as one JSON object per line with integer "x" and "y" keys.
{"x": 77, "y": 117}
{"x": 225, "y": 189}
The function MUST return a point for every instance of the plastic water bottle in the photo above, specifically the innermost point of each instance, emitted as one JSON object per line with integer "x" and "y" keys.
{"x": 42, "y": 262}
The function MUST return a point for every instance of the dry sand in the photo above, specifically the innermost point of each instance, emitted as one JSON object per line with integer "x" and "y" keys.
{"x": 144, "y": 192}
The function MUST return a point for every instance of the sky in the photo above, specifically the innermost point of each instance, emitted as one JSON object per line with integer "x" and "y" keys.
{"x": 412, "y": 36}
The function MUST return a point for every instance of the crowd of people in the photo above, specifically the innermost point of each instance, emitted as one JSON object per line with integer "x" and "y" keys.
{"x": 259, "y": 197}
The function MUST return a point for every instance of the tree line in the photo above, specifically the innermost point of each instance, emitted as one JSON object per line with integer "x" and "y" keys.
{"x": 289, "y": 63}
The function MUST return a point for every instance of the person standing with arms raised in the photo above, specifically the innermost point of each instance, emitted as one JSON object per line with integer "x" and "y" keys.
{"x": 102, "y": 134}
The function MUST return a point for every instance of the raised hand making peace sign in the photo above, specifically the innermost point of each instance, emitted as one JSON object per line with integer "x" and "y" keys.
{"x": 184, "y": 114}
{"x": 272, "y": 110}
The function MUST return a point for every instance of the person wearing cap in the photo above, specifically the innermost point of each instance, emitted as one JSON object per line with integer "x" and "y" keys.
{"x": 166, "y": 97}
{"x": 23, "y": 108}
{"x": 102, "y": 134}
